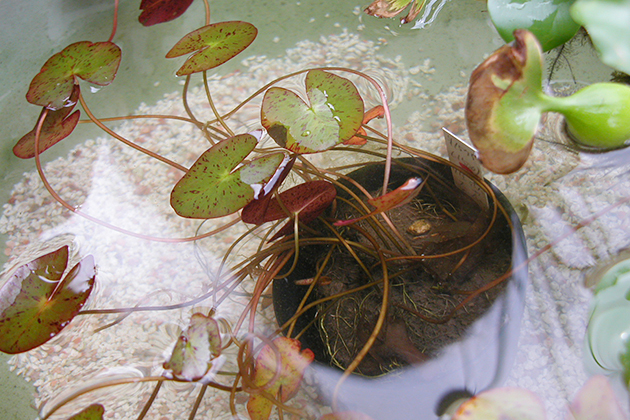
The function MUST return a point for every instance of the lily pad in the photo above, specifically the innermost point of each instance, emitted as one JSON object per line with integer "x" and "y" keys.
{"x": 596, "y": 400}
{"x": 35, "y": 304}
{"x": 391, "y": 8}
{"x": 195, "y": 349}
{"x": 160, "y": 11}
{"x": 607, "y": 24}
{"x": 549, "y": 20}
{"x": 93, "y": 412}
{"x": 212, "y": 45}
{"x": 293, "y": 362}
{"x": 96, "y": 63}
{"x": 56, "y": 127}
{"x": 333, "y": 115}
{"x": 305, "y": 201}
{"x": 212, "y": 187}
{"x": 500, "y": 404}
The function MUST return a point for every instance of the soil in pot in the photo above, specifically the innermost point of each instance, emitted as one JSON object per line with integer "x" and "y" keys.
{"x": 452, "y": 247}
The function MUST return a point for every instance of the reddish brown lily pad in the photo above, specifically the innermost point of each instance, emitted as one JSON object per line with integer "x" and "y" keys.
{"x": 160, "y": 11}
{"x": 36, "y": 304}
{"x": 293, "y": 362}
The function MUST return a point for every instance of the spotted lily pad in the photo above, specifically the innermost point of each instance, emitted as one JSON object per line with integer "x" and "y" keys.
{"x": 549, "y": 20}
{"x": 160, "y": 11}
{"x": 215, "y": 187}
{"x": 391, "y": 8}
{"x": 195, "y": 349}
{"x": 212, "y": 45}
{"x": 93, "y": 412}
{"x": 56, "y": 127}
{"x": 333, "y": 116}
{"x": 291, "y": 369}
{"x": 305, "y": 201}
{"x": 36, "y": 304}
{"x": 396, "y": 198}
{"x": 501, "y": 404}
{"x": 96, "y": 63}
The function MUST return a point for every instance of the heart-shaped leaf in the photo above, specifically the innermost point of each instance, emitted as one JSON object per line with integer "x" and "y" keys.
{"x": 96, "y": 63}
{"x": 396, "y": 198}
{"x": 56, "y": 127}
{"x": 596, "y": 400}
{"x": 501, "y": 404}
{"x": 305, "y": 202}
{"x": 391, "y": 8}
{"x": 549, "y": 20}
{"x": 93, "y": 412}
{"x": 214, "y": 45}
{"x": 195, "y": 349}
{"x": 213, "y": 188}
{"x": 290, "y": 372}
{"x": 607, "y": 24}
{"x": 160, "y": 11}
{"x": 35, "y": 305}
{"x": 334, "y": 115}
{"x": 505, "y": 103}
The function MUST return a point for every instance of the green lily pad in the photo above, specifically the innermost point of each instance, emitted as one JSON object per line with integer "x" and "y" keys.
{"x": 35, "y": 304}
{"x": 195, "y": 349}
{"x": 56, "y": 127}
{"x": 549, "y": 20}
{"x": 293, "y": 362}
{"x": 95, "y": 63}
{"x": 212, "y": 187}
{"x": 93, "y": 412}
{"x": 500, "y": 404}
{"x": 214, "y": 45}
{"x": 334, "y": 115}
{"x": 607, "y": 23}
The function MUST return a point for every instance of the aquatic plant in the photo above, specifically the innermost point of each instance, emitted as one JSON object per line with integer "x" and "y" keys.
{"x": 268, "y": 183}
{"x": 595, "y": 400}
{"x": 506, "y": 101}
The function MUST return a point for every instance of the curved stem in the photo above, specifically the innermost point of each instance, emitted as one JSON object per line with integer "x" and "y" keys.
{"x": 125, "y": 141}
{"x": 207, "y": 8}
{"x": 213, "y": 107}
{"x": 115, "y": 22}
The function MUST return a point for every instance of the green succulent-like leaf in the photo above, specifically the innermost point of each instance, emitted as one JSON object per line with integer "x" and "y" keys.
{"x": 607, "y": 23}
{"x": 500, "y": 404}
{"x": 334, "y": 114}
{"x": 93, "y": 412}
{"x": 56, "y": 127}
{"x": 195, "y": 348}
{"x": 215, "y": 187}
{"x": 598, "y": 115}
{"x": 212, "y": 45}
{"x": 505, "y": 102}
{"x": 293, "y": 362}
{"x": 95, "y": 63}
{"x": 36, "y": 304}
{"x": 549, "y": 20}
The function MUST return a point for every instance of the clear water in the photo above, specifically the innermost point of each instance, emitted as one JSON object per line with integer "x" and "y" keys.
{"x": 563, "y": 190}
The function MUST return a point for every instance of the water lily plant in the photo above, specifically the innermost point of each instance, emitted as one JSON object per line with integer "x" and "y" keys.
{"x": 506, "y": 101}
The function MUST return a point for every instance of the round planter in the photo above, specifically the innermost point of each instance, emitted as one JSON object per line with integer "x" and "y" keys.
{"x": 415, "y": 367}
